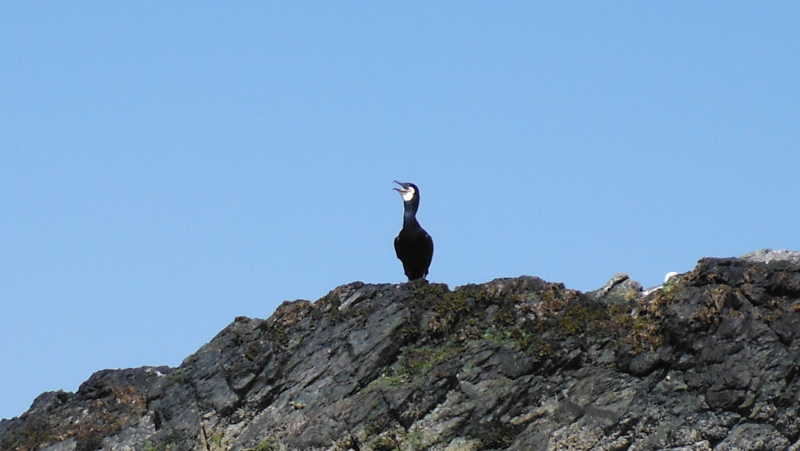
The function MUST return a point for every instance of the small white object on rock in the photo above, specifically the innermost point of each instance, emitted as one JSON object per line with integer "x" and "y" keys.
{"x": 669, "y": 275}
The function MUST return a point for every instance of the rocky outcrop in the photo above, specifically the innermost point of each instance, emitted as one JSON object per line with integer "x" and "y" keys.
{"x": 707, "y": 362}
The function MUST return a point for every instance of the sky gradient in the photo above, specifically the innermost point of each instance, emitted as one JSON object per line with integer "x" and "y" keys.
{"x": 168, "y": 166}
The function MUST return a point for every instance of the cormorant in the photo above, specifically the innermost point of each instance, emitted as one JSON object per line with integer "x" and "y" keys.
{"x": 413, "y": 246}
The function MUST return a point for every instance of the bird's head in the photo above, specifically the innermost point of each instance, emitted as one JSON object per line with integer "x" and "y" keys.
{"x": 409, "y": 191}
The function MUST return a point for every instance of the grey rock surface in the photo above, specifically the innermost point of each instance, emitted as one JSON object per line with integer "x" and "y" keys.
{"x": 707, "y": 362}
{"x": 620, "y": 290}
{"x": 769, "y": 255}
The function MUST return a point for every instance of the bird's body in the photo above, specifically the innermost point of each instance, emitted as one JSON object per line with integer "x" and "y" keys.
{"x": 413, "y": 246}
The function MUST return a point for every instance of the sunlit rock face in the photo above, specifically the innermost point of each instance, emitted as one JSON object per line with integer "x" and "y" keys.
{"x": 708, "y": 361}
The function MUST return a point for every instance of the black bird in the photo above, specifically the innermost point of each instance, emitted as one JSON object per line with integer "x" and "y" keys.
{"x": 414, "y": 247}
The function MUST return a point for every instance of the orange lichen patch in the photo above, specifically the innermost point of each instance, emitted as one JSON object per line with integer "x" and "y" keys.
{"x": 108, "y": 415}
{"x": 290, "y": 312}
{"x": 715, "y": 301}
{"x": 111, "y": 414}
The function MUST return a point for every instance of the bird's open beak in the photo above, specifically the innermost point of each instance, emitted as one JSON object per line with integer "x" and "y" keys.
{"x": 404, "y": 189}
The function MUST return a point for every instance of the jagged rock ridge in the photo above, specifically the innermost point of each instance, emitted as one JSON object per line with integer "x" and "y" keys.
{"x": 706, "y": 362}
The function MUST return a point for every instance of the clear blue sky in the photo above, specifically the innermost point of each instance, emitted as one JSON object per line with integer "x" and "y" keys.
{"x": 168, "y": 166}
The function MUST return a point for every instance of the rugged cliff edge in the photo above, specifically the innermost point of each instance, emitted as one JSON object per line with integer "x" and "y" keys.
{"x": 709, "y": 361}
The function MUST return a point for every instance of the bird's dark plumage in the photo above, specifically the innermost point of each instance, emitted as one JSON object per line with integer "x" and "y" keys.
{"x": 413, "y": 246}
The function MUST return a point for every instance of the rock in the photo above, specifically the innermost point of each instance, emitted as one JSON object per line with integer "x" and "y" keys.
{"x": 753, "y": 437}
{"x": 768, "y": 256}
{"x": 710, "y": 361}
{"x": 619, "y": 290}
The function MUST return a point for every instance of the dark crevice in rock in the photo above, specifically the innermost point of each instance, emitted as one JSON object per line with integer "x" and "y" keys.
{"x": 206, "y": 438}
{"x": 394, "y": 414}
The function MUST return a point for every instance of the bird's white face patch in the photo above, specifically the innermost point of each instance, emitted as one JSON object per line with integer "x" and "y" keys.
{"x": 408, "y": 193}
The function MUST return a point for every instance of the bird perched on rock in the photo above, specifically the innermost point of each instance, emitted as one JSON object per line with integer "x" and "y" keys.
{"x": 413, "y": 246}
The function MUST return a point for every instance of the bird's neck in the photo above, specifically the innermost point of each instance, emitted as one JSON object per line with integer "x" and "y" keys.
{"x": 410, "y": 214}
